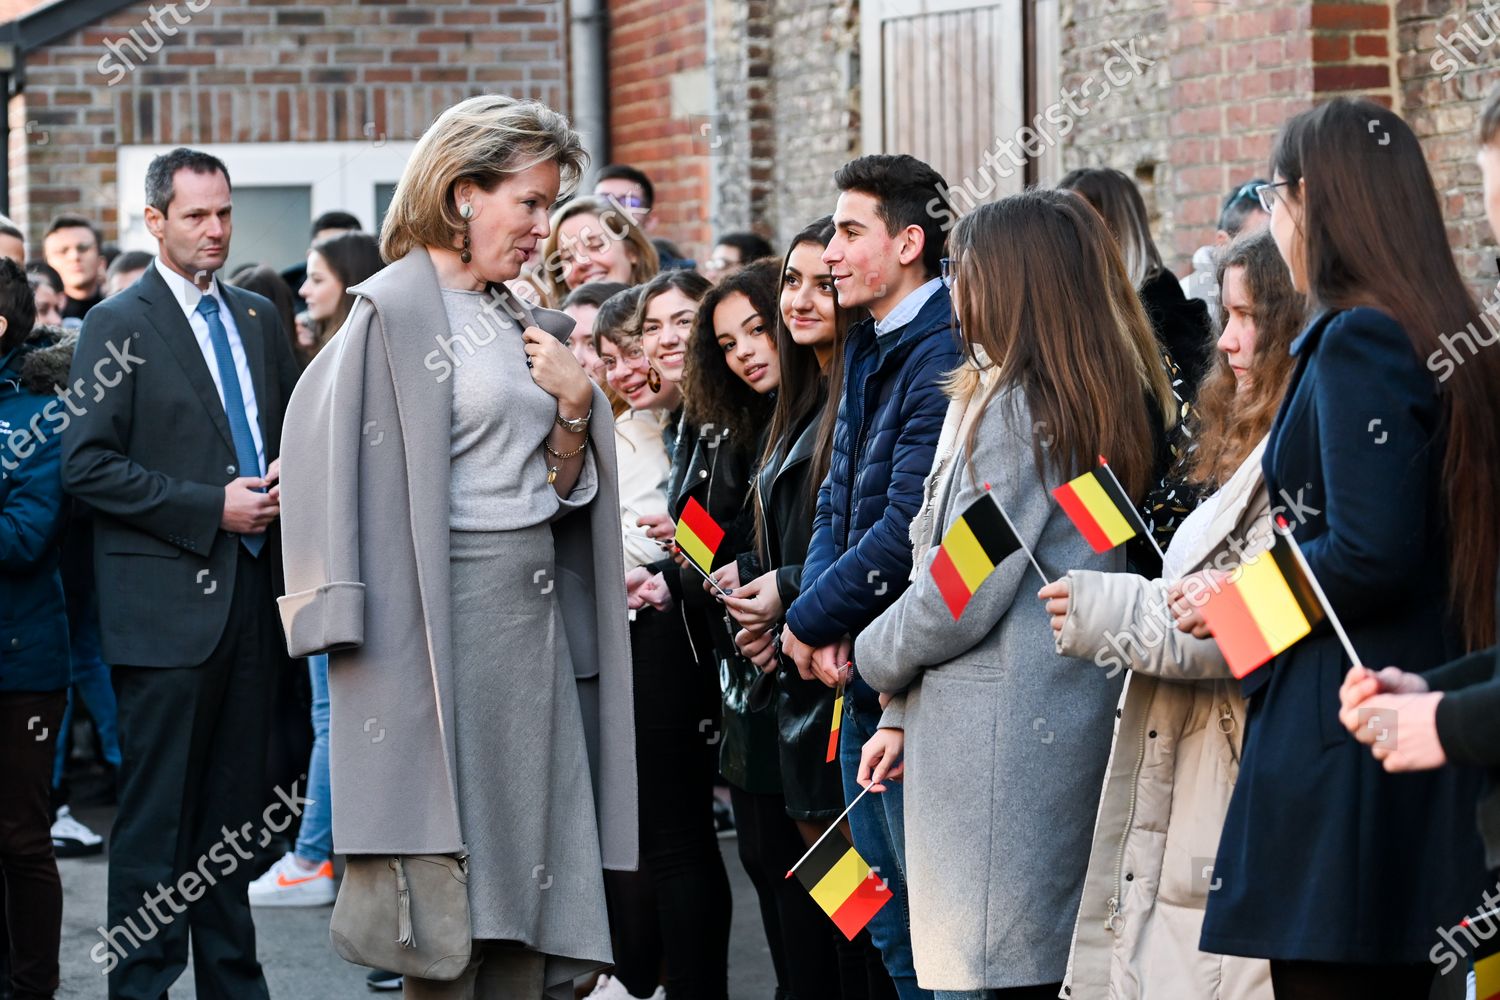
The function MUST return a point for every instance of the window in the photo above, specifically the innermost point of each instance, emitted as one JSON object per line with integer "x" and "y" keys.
{"x": 279, "y": 188}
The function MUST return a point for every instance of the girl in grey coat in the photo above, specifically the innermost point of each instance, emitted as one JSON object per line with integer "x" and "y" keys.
{"x": 1007, "y": 739}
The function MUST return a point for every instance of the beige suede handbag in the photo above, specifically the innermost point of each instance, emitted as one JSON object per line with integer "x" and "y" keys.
{"x": 406, "y": 913}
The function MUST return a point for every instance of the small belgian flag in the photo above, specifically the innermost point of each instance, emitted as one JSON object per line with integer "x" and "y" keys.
{"x": 833, "y": 736}
{"x": 842, "y": 884}
{"x": 973, "y": 546}
{"x": 698, "y": 534}
{"x": 1269, "y": 607}
{"x": 1099, "y": 508}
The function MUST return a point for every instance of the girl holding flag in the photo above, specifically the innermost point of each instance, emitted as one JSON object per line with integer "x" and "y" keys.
{"x": 1006, "y": 740}
{"x": 1177, "y": 745}
{"x": 1336, "y": 871}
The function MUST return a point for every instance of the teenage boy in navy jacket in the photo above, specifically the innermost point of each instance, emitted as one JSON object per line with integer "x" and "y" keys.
{"x": 886, "y": 256}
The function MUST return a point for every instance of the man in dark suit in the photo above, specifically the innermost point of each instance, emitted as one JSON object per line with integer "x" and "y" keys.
{"x": 179, "y": 387}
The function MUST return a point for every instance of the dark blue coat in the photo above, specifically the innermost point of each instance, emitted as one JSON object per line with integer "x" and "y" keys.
{"x": 889, "y": 419}
{"x": 33, "y": 615}
{"x": 1325, "y": 856}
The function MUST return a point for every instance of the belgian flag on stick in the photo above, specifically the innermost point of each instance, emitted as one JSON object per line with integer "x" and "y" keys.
{"x": 974, "y": 545}
{"x": 698, "y": 535}
{"x": 1273, "y": 603}
{"x": 1098, "y": 507}
{"x": 841, "y": 883}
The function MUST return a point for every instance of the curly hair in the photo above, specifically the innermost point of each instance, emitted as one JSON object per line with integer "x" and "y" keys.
{"x": 713, "y": 395}
{"x": 1230, "y": 422}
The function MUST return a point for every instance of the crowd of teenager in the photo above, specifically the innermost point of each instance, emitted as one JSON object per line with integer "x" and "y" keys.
{"x": 1070, "y": 793}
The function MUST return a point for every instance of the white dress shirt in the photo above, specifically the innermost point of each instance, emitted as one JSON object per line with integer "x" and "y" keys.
{"x": 188, "y": 295}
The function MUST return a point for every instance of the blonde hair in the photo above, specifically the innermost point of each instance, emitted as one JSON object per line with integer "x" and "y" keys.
{"x": 483, "y": 139}
{"x": 617, "y": 224}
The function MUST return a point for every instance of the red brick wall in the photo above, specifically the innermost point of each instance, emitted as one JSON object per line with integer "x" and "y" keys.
{"x": 1444, "y": 114}
{"x": 1237, "y": 72}
{"x": 650, "y": 42}
{"x": 263, "y": 71}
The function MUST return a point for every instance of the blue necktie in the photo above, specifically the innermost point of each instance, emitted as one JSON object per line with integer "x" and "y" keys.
{"x": 234, "y": 404}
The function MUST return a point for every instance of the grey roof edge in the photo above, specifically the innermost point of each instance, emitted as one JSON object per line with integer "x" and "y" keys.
{"x": 48, "y": 23}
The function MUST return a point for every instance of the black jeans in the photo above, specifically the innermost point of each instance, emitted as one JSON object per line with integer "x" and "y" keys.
{"x": 676, "y": 909}
{"x": 802, "y": 949}
{"x": 32, "y": 891}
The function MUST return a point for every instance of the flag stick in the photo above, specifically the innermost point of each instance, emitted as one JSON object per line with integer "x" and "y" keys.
{"x": 826, "y": 832}
{"x": 1024, "y": 547}
{"x": 1145, "y": 528}
{"x": 705, "y": 576}
{"x": 1469, "y": 921}
{"x": 1286, "y": 532}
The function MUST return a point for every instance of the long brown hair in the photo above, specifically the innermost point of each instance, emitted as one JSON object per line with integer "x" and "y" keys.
{"x": 1231, "y": 422}
{"x": 1041, "y": 290}
{"x": 805, "y": 387}
{"x": 711, "y": 393}
{"x": 352, "y": 257}
{"x": 1117, "y": 199}
{"x": 1373, "y": 235}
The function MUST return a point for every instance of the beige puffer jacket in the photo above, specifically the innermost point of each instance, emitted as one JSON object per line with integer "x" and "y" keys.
{"x": 1171, "y": 771}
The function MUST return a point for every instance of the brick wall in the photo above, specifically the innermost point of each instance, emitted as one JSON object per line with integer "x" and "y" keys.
{"x": 660, "y": 110}
{"x": 1444, "y": 114}
{"x": 815, "y": 109}
{"x": 1234, "y": 72}
{"x": 261, "y": 71}
{"x": 740, "y": 132}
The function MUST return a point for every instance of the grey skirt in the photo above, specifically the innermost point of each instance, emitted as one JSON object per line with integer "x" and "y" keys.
{"x": 525, "y": 798}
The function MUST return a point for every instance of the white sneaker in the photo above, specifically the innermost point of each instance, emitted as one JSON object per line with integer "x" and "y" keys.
{"x": 71, "y": 839}
{"x": 287, "y": 883}
{"x": 610, "y": 988}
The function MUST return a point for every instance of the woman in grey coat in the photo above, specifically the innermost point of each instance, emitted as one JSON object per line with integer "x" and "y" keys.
{"x": 1006, "y": 739}
{"x": 452, "y": 540}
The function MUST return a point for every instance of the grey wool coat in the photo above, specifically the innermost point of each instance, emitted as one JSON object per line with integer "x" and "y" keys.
{"x": 1006, "y": 740}
{"x": 364, "y": 514}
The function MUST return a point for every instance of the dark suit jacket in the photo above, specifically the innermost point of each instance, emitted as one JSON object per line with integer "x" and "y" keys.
{"x": 149, "y": 449}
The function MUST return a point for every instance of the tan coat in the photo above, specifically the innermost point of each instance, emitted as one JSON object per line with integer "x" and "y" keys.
{"x": 1171, "y": 771}
{"x": 364, "y": 513}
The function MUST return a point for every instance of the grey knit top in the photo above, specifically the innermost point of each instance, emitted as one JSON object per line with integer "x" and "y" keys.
{"x": 501, "y": 417}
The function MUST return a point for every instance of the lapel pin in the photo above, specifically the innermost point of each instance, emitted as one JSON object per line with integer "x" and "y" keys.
{"x": 252, "y": 312}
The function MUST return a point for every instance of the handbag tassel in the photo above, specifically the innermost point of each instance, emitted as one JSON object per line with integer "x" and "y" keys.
{"x": 405, "y": 936}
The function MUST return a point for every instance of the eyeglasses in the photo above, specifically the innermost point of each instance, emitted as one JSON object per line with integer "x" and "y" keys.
{"x": 717, "y": 264}
{"x": 949, "y": 271}
{"x": 630, "y": 355}
{"x": 628, "y": 200}
{"x": 1267, "y": 195}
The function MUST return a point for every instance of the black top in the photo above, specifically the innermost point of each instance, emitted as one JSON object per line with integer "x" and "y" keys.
{"x": 1182, "y": 326}
{"x": 77, "y": 308}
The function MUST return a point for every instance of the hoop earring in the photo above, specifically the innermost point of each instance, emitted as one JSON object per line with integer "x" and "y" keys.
{"x": 653, "y": 380}
{"x": 467, "y": 211}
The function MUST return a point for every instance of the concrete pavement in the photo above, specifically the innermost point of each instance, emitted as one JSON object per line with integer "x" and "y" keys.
{"x": 293, "y": 943}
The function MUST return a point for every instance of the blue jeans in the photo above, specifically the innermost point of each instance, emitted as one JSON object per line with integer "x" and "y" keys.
{"x": 880, "y": 837}
{"x": 315, "y": 835}
{"x": 91, "y": 683}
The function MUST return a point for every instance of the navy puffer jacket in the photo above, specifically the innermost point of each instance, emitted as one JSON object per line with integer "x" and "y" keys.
{"x": 890, "y": 415}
